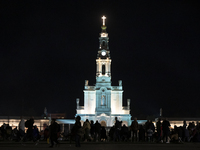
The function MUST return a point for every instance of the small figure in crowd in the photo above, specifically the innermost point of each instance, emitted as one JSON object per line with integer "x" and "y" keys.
{"x": 29, "y": 134}
{"x": 124, "y": 133}
{"x": 86, "y": 127}
{"x": 117, "y": 129}
{"x": 134, "y": 129}
{"x": 141, "y": 133}
{"x": 97, "y": 134}
{"x": 150, "y": 134}
{"x": 159, "y": 131}
{"x": 92, "y": 129}
{"x": 166, "y": 130}
{"x": 21, "y": 128}
{"x": 76, "y": 131}
{"x": 36, "y": 134}
{"x": 103, "y": 134}
{"x": 53, "y": 132}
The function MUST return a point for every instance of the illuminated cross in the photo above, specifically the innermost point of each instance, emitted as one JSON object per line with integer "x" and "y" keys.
{"x": 104, "y": 18}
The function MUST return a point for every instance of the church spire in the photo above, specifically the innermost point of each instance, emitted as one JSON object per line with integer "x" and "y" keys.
{"x": 103, "y": 27}
{"x": 103, "y": 57}
{"x": 103, "y": 52}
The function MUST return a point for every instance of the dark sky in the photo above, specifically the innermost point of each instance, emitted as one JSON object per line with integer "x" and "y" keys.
{"x": 49, "y": 48}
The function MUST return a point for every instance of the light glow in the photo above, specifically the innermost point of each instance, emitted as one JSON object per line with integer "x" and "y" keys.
{"x": 103, "y": 53}
{"x": 104, "y": 18}
{"x": 104, "y": 34}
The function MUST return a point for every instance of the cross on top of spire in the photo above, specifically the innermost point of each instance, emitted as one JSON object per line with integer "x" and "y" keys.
{"x": 104, "y": 18}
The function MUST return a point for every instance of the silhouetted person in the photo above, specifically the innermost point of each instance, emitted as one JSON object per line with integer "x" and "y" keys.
{"x": 29, "y": 124}
{"x": 151, "y": 126}
{"x": 166, "y": 131}
{"x": 53, "y": 131}
{"x": 185, "y": 131}
{"x": 92, "y": 129}
{"x": 8, "y": 131}
{"x": 36, "y": 135}
{"x": 158, "y": 128}
{"x": 134, "y": 129}
{"x": 184, "y": 124}
{"x": 46, "y": 133}
{"x": 124, "y": 133}
{"x": 97, "y": 131}
{"x": 103, "y": 134}
{"x": 111, "y": 132}
{"x": 117, "y": 129}
{"x": 174, "y": 135}
{"x": 150, "y": 134}
{"x": 141, "y": 133}
{"x": 76, "y": 131}
{"x": 146, "y": 127}
{"x": 86, "y": 127}
{"x": 21, "y": 128}
{"x": 3, "y": 131}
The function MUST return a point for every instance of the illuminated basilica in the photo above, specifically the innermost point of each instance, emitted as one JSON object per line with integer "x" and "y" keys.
{"x": 103, "y": 102}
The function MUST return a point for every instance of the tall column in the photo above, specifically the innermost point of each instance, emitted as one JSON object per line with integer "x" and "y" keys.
{"x": 106, "y": 100}
{"x": 107, "y": 69}
{"x": 110, "y": 68}
{"x": 100, "y": 67}
{"x": 97, "y": 67}
{"x": 109, "y": 102}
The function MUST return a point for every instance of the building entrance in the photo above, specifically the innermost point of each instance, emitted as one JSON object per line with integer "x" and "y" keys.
{"x": 103, "y": 123}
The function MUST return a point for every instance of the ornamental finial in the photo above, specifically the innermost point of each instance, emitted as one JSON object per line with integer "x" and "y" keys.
{"x": 104, "y": 18}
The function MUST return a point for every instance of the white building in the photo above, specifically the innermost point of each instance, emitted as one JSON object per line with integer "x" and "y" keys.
{"x": 103, "y": 102}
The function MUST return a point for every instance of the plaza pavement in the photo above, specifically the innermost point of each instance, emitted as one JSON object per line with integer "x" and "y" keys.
{"x": 100, "y": 146}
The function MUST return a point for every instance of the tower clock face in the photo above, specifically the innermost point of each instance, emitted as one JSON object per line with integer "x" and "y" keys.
{"x": 103, "y": 53}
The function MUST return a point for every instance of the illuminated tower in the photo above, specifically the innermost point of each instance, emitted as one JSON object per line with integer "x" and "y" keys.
{"x": 103, "y": 102}
{"x": 103, "y": 74}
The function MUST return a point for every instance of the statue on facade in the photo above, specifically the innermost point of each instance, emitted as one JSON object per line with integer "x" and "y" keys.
{"x": 103, "y": 100}
{"x": 128, "y": 103}
{"x": 77, "y": 103}
{"x": 120, "y": 82}
{"x": 86, "y": 82}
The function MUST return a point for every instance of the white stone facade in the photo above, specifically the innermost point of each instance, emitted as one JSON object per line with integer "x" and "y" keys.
{"x": 103, "y": 102}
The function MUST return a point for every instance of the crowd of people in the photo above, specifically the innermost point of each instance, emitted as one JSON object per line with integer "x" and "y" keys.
{"x": 50, "y": 133}
{"x": 158, "y": 132}
{"x": 18, "y": 134}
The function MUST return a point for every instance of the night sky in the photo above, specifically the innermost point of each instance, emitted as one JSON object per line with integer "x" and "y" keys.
{"x": 49, "y": 48}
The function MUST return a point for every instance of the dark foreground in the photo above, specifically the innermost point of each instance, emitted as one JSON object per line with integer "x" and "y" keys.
{"x": 102, "y": 146}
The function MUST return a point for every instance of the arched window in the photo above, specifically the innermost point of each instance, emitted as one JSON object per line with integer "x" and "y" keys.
{"x": 103, "y": 69}
{"x": 104, "y": 43}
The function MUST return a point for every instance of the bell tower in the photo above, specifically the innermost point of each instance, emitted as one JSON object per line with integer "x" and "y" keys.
{"x": 104, "y": 102}
{"x": 103, "y": 74}
{"x": 103, "y": 61}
